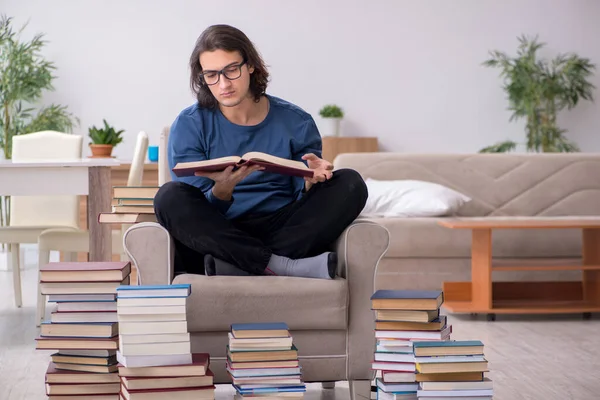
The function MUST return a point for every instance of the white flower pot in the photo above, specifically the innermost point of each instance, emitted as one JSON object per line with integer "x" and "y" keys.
{"x": 331, "y": 127}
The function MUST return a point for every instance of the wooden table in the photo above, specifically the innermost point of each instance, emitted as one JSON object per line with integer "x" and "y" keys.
{"x": 481, "y": 295}
{"x": 89, "y": 177}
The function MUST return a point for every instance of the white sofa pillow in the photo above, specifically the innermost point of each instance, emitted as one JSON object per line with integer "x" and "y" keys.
{"x": 411, "y": 198}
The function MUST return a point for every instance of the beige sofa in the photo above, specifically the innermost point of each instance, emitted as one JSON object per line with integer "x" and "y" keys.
{"x": 423, "y": 254}
{"x": 331, "y": 321}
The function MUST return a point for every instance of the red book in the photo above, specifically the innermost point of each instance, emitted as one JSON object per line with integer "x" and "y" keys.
{"x": 198, "y": 367}
{"x": 108, "y": 271}
{"x": 50, "y": 343}
{"x": 270, "y": 163}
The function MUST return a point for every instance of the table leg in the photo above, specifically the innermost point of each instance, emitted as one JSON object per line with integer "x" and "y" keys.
{"x": 481, "y": 269}
{"x": 591, "y": 256}
{"x": 99, "y": 200}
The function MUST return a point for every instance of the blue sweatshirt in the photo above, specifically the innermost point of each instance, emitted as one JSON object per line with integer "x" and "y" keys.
{"x": 287, "y": 132}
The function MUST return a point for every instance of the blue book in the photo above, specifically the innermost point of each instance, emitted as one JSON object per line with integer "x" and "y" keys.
{"x": 448, "y": 343}
{"x": 407, "y": 299}
{"x": 154, "y": 291}
{"x": 260, "y": 326}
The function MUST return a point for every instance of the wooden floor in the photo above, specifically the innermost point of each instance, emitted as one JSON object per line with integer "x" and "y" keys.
{"x": 541, "y": 358}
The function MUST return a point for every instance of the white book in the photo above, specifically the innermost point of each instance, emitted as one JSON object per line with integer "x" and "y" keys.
{"x": 152, "y": 301}
{"x": 81, "y": 317}
{"x": 132, "y": 310}
{"x": 151, "y": 338}
{"x": 454, "y": 393}
{"x": 395, "y": 357}
{"x": 151, "y": 317}
{"x": 448, "y": 359}
{"x": 153, "y": 361}
{"x": 155, "y": 349}
{"x": 138, "y": 328}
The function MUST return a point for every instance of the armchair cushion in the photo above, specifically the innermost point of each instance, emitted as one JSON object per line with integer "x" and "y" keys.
{"x": 218, "y": 301}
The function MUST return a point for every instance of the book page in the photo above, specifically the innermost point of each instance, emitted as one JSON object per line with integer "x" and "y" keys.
{"x": 215, "y": 161}
{"x": 257, "y": 155}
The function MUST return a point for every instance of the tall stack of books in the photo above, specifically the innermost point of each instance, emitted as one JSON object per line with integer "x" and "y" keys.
{"x": 451, "y": 370}
{"x": 155, "y": 358}
{"x": 83, "y": 328}
{"x": 402, "y": 318}
{"x": 262, "y": 360}
{"x": 130, "y": 205}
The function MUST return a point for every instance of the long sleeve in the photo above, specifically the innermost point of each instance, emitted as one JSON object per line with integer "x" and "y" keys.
{"x": 186, "y": 144}
{"x": 308, "y": 141}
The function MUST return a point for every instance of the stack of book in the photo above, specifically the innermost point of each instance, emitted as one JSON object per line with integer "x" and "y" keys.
{"x": 452, "y": 369}
{"x": 83, "y": 328}
{"x": 402, "y": 318}
{"x": 262, "y": 360}
{"x": 130, "y": 205}
{"x": 155, "y": 358}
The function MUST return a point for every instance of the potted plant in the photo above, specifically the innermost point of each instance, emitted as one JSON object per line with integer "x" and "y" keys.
{"x": 538, "y": 90}
{"x": 25, "y": 74}
{"x": 332, "y": 116}
{"x": 104, "y": 140}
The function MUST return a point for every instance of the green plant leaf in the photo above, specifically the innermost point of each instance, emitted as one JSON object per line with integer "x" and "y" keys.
{"x": 331, "y": 111}
{"x": 502, "y": 147}
{"x": 24, "y": 77}
{"x": 537, "y": 89}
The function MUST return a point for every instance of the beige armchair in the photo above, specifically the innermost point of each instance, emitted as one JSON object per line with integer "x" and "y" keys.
{"x": 331, "y": 320}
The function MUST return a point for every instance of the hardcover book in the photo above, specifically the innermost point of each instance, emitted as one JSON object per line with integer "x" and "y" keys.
{"x": 270, "y": 163}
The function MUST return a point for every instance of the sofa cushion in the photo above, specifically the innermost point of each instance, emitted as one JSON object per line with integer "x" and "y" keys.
{"x": 218, "y": 301}
{"x": 411, "y": 198}
{"x": 423, "y": 237}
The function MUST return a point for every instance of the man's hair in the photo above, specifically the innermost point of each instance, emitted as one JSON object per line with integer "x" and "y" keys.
{"x": 227, "y": 38}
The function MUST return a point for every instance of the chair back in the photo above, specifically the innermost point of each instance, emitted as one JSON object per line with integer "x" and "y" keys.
{"x": 136, "y": 171}
{"x": 57, "y": 210}
{"x": 164, "y": 173}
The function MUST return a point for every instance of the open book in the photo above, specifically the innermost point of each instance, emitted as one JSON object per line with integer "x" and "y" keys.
{"x": 270, "y": 163}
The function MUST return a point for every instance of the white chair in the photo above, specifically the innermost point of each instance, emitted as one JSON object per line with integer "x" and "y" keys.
{"x": 31, "y": 215}
{"x": 71, "y": 242}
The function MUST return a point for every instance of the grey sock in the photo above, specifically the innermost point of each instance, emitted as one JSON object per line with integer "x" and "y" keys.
{"x": 322, "y": 266}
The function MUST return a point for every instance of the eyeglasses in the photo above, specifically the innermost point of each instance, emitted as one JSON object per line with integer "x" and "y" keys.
{"x": 230, "y": 72}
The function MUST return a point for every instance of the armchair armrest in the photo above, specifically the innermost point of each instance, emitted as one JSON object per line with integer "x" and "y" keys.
{"x": 360, "y": 247}
{"x": 151, "y": 250}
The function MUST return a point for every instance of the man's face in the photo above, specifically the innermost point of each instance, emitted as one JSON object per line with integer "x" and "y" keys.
{"x": 233, "y": 83}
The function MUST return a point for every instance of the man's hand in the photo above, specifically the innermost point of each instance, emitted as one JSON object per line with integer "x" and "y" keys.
{"x": 322, "y": 170}
{"x": 226, "y": 180}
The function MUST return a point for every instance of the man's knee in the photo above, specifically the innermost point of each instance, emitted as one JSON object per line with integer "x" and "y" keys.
{"x": 168, "y": 196}
{"x": 354, "y": 185}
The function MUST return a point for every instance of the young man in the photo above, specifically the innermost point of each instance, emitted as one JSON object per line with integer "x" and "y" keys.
{"x": 250, "y": 222}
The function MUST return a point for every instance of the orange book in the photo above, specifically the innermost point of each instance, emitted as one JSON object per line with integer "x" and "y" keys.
{"x": 271, "y": 163}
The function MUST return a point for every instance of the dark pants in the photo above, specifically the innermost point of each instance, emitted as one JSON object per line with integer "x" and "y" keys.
{"x": 304, "y": 228}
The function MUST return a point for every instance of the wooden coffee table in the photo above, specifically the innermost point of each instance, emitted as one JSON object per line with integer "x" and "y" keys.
{"x": 481, "y": 295}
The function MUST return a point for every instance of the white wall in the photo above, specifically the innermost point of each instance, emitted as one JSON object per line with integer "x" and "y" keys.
{"x": 408, "y": 72}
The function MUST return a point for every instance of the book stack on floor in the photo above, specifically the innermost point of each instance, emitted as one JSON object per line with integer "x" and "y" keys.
{"x": 155, "y": 358}
{"x": 452, "y": 370}
{"x": 130, "y": 205}
{"x": 262, "y": 360}
{"x": 83, "y": 328}
{"x": 402, "y": 318}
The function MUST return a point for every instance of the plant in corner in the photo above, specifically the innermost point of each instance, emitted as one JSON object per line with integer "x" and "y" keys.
{"x": 24, "y": 76}
{"x": 104, "y": 140}
{"x": 333, "y": 114}
{"x": 538, "y": 90}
